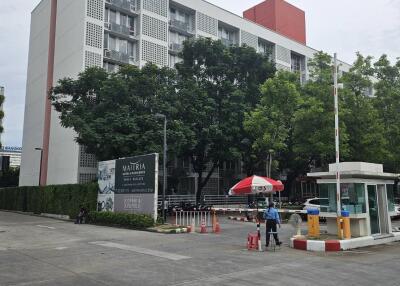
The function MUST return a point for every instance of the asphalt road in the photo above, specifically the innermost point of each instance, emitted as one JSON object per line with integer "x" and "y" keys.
{"x": 42, "y": 251}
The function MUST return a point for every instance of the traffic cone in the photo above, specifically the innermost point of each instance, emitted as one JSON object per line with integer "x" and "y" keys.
{"x": 214, "y": 221}
{"x": 203, "y": 228}
{"x": 217, "y": 228}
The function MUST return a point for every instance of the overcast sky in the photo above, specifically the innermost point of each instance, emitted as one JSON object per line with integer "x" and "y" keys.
{"x": 369, "y": 26}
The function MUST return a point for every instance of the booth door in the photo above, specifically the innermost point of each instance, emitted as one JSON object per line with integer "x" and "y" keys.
{"x": 383, "y": 209}
{"x": 373, "y": 210}
{"x": 378, "y": 210}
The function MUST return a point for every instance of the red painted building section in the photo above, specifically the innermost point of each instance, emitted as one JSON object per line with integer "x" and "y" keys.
{"x": 44, "y": 163}
{"x": 279, "y": 16}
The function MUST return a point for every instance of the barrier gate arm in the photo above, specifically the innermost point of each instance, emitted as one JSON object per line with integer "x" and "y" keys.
{"x": 259, "y": 210}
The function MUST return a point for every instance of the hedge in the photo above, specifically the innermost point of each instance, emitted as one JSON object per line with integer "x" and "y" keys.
{"x": 57, "y": 199}
{"x": 133, "y": 221}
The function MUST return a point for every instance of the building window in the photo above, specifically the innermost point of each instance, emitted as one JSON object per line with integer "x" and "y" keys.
{"x": 297, "y": 63}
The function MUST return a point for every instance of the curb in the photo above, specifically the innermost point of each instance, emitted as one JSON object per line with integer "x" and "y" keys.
{"x": 341, "y": 245}
{"x": 52, "y": 216}
{"x": 316, "y": 245}
{"x": 169, "y": 231}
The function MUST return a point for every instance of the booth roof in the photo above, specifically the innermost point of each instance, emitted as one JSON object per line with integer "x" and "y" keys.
{"x": 355, "y": 170}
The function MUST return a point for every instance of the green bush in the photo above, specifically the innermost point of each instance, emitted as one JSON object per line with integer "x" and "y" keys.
{"x": 133, "y": 221}
{"x": 60, "y": 199}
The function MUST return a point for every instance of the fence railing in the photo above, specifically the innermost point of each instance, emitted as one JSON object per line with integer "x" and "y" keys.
{"x": 209, "y": 200}
{"x": 193, "y": 217}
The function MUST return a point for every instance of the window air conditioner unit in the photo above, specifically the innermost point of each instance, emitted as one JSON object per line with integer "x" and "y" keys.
{"x": 107, "y": 25}
{"x": 107, "y": 53}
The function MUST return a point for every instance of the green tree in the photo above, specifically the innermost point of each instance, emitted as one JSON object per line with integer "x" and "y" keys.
{"x": 387, "y": 102}
{"x": 314, "y": 135}
{"x": 271, "y": 123}
{"x": 366, "y": 133}
{"x": 113, "y": 114}
{"x": 216, "y": 85}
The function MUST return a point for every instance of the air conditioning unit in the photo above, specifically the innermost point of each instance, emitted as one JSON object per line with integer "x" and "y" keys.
{"x": 107, "y": 25}
{"x": 107, "y": 53}
{"x": 132, "y": 32}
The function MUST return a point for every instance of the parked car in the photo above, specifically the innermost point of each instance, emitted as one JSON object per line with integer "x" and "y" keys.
{"x": 313, "y": 203}
{"x": 396, "y": 208}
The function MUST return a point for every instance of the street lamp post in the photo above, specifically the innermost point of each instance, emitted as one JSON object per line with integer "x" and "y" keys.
{"x": 41, "y": 159}
{"x": 270, "y": 151}
{"x": 158, "y": 115}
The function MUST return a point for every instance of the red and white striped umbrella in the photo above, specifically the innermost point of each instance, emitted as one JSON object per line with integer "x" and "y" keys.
{"x": 256, "y": 185}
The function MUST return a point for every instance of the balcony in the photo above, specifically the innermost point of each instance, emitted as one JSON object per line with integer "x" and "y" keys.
{"x": 175, "y": 48}
{"x": 124, "y": 5}
{"x": 118, "y": 57}
{"x": 181, "y": 26}
{"x": 120, "y": 29}
{"x": 227, "y": 42}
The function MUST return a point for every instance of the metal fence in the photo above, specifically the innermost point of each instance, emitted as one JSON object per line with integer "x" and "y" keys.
{"x": 209, "y": 200}
{"x": 193, "y": 217}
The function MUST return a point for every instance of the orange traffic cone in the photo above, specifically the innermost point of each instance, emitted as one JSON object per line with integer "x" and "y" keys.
{"x": 217, "y": 228}
{"x": 203, "y": 228}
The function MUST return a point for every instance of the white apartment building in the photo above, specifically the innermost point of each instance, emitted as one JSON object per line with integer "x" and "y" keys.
{"x": 68, "y": 36}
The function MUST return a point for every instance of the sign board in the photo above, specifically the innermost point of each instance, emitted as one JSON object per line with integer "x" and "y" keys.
{"x": 136, "y": 175}
{"x": 129, "y": 185}
{"x": 106, "y": 181}
{"x": 11, "y": 149}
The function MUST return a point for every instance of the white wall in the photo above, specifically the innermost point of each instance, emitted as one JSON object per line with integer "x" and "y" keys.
{"x": 35, "y": 94}
{"x": 68, "y": 62}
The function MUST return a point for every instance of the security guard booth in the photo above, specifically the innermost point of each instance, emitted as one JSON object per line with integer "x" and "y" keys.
{"x": 366, "y": 192}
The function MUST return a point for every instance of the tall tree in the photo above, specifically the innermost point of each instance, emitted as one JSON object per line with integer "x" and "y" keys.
{"x": 271, "y": 123}
{"x": 215, "y": 86}
{"x": 113, "y": 115}
{"x": 388, "y": 104}
{"x": 367, "y": 141}
{"x": 314, "y": 136}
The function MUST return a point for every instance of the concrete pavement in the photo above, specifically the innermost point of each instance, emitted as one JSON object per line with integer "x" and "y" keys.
{"x": 42, "y": 251}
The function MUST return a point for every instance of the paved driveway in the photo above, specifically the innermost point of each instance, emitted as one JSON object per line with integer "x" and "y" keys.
{"x": 41, "y": 251}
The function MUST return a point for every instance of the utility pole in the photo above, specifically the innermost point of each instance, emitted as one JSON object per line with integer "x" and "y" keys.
{"x": 336, "y": 98}
{"x": 40, "y": 167}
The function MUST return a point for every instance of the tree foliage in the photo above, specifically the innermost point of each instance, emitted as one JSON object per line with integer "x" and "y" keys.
{"x": 367, "y": 142}
{"x": 314, "y": 126}
{"x": 113, "y": 114}
{"x": 216, "y": 85}
{"x": 229, "y": 103}
{"x": 387, "y": 103}
{"x": 271, "y": 122}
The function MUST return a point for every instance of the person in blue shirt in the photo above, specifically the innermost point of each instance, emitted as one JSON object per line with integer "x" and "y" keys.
{"x": 272, "y": 219}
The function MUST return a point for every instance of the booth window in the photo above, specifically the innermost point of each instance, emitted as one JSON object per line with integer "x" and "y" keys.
{"x": 390, "y": 197}
{"x": 352, "y": 197}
